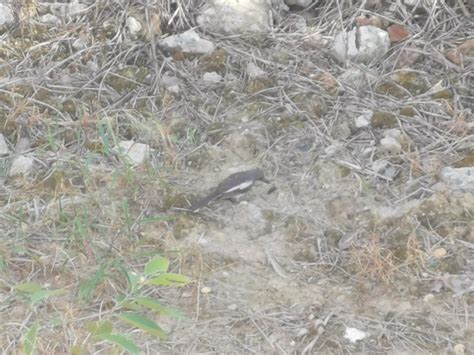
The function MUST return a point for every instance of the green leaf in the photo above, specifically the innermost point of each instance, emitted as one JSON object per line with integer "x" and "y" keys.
{"x": 28, "y": 287}
{"x": 39, "y": 296}
{"x": 122, "y": 341}
{"x": 154, "y": 305}
{"x": 78, "y": 350}
{"x": 143, "y": 323}
{"x": 43, "y": 294}
{"x": 133, "y": 280}
{"x": 127, "y": 304}
{"x": 100, "y": 328}
{"x": 157, "y": 264}
{"x": 169, "y": 280}
{"x": 30, "y": 339}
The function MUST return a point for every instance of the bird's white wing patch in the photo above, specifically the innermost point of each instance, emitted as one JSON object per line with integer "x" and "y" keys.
{"x": 240, "y": 187}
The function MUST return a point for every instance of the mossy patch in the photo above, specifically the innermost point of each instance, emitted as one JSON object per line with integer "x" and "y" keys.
{"x": 215, "y": 61}
{"x": 383, "y": 119}
{"x": 467, "y": 161}
{"x": 126, "y": 79}
{"x": 407, "y": 111}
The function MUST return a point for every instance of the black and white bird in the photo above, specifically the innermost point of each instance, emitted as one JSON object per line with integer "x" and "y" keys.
{"x": 230, "y": 187}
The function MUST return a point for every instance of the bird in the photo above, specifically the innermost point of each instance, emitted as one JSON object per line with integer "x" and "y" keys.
{"x": 231, "y": 186}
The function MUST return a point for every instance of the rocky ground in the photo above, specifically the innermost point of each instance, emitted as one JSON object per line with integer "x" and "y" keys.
{"x": 114, "y": 117}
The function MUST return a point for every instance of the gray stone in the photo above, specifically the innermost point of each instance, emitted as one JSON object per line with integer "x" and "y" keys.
{"x": 363, "y": 44}
{"x": 135, "y": 153}
{"x": 235, "y": 16}
{"x": 6, "y": 15}
{"x": 364, "y": 119}
{"x": 188, "y": 42}
{"x": 22, "y": 165}
{"x": 4, "y": 150}
{"x": 80, "y": 43}
{"x": 459, "y": 178}
{"x": 390, "y": 144}
{"x": 50, "y": 19}
{"x": 212, "y": 78}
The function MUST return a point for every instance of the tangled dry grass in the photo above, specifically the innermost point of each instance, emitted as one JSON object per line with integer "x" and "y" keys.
{"x": 70, "y": 92}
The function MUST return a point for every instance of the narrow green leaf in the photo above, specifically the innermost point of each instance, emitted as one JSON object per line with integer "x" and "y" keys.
{"x": 169, "y": 279}
{"x": 39, "y": 296}
{"x": 154, "y": 305}
{"x": 30, "y": 340}
{"x": 122, "y": 341}
{"x": 157, "y": 264}
{"x": 133, "y": 280}
{"x": 100, "y": 328}
{"x": 28, "y": 287}
{"x": 143, "y": 323}
{"x": 129, "y": 304}
{"x": 43, "y": 294}
{"x": 57, "y": 292}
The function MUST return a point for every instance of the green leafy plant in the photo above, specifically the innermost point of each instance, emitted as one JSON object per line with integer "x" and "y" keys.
{"x": 133, "y": 305}
{"x": 29, "y": 342}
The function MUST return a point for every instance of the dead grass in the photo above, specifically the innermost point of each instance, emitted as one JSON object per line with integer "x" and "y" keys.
{"x": 83, "y": 213}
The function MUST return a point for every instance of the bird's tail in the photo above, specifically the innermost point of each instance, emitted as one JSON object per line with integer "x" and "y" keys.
{"x": 204, "y": 201}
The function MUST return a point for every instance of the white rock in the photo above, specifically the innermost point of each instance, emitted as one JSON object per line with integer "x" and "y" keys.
{"x": 364, "y": 119}
{"x": 22, "y": 165}
{"x": 394, "y": 133}
{"x": 134, "y": 26}
{"x": 188, "y": 42}
{"x": 50, "y": 19}
{"x": 390, "y": 144}
{"x": 459, "y": 178}
{"x": 428, "y": 298}
{"x": 4, "y": 150}
{"x": 363, "y": 44}
{"x": 80, "y": 43}
{"x": 6, "y": 14}
{"x": 380, "y": 165}
{"x": 212, "y": 78}
{"x": 354, "y": 334}
{"x": 136, "y": 153}
{"x": 235, "y": 16}
{"x": 459, "y": 349}
{"x": 206, "y": 290}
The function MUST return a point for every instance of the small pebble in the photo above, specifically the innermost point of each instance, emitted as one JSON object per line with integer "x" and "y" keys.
{"x": 439, "y": 253}
{"x": 206, "y": 290}
{"x": 428, "y": 298}
{"x": 459, "y": 349}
